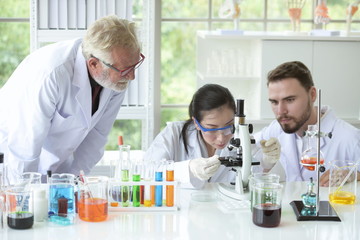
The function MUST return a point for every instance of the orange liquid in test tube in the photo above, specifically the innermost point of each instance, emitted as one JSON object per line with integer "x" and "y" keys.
{"x": 170, "y": 188}
{"x": 152, "y": 194}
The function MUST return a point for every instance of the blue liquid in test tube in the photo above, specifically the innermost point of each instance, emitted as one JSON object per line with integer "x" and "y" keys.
{"x": 158, "y": 189}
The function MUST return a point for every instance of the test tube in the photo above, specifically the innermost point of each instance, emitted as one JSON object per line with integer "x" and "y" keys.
{"x": 136, "y": 176}
{"x": 149, "y": 190}
{"x": 2, "y": 178}
{"x": 159, "y": 188}
{"x": 125, "y": 168}
{"x": 115, "y": 166}
{"x": 170, "y": 188}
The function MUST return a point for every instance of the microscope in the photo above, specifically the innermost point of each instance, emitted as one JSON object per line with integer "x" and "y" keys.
{"x": 241, "y": 164}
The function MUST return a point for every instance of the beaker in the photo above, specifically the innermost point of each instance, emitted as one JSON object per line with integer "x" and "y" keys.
{"x": 92, "y": 199}
{"x": 343, "y": 181}
{"x": 261, "y": 177}
{"x": 31, "y": 178}
{"x": 19, "y": 212}
{"x": 267, "y": 204}
{"x": 62, "y": 198}
{"x": 114, "y": 196}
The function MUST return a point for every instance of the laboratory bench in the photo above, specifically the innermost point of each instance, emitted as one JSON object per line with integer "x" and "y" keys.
{"x": 202, "y": 214}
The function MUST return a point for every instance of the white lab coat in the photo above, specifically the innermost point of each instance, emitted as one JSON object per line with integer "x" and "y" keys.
{"x": 169, "y": 145}
{"x": 344, "y": 145}
{"x": 45, "y": 109}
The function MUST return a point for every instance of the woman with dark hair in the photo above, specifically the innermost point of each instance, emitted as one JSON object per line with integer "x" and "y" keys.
{"x": 196, "y": 144}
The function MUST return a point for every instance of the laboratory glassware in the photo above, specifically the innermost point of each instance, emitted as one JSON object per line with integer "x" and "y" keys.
{"x": 267, "y": 204}
{"x": 309, "y": 156}
{"x": 159, "y": 188}
{"x": 170, "y": 188}
{"x": 149, "y": 190}
{"x": 343, "y": 181}
{"x": 261, "y": 177}
{"x": 125, "y": 173}
{"x": 136, "y": 177}
{"x": 62, "y": 198}
{"x": 19, "y": 212}
{"x": 92, "y": 198}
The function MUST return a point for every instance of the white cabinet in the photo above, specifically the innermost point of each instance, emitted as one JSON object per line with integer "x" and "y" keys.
{"x": 242, "y": 63}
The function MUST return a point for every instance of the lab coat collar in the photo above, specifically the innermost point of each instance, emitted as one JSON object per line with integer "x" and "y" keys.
{"x": 293, "y": 165}
{"x": 82, "y": 82}
{"x": 327, "y": 121}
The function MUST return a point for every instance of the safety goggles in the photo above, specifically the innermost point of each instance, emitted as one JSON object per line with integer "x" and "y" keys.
{"x": 125, "y": 71}
{"x": 214, "y": 131}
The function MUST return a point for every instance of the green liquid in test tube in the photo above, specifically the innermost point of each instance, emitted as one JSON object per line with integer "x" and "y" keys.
{"x": 125, "y": 191}
{"x": 136, "y": 171}
{"x": 136, "y": 191}
{"x": 125, "y": 166}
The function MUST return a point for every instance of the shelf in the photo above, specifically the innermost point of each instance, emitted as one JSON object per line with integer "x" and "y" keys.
{"x": 132, "y": 112}
{"x": 251, "y": 35}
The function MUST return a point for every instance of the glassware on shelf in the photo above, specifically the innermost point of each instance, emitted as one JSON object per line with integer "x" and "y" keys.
{"x": 309, "y": 156}
{"x": 294, "y": 9}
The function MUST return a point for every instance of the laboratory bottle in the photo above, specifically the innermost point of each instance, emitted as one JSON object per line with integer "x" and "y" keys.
{"x": 125, "y": 173}
{"x": 170, "y": 188}
{"x": 309, "y": 198}
{"x": 40, "y": 205}
{"x": 309, "y": 156}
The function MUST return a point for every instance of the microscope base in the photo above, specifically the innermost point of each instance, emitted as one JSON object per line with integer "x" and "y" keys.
{"x": 326, "y": 212}
{"x": 229, "y": 191}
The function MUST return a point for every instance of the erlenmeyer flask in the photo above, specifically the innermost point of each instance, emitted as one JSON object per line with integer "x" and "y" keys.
{"x": 309, "y": 156}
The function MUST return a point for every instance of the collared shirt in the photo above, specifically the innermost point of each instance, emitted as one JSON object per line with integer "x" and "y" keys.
{"x": 95, "y": 94}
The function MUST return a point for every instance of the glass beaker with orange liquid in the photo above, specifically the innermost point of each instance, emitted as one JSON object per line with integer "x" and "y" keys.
{"x": 92, "y": 199}
{"x": 343, "y": 182}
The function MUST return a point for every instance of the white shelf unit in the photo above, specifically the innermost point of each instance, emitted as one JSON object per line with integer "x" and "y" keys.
{"x": 333, "y": 62}
{"x": 231, "y": 62}
{"x": 138, "y": 102}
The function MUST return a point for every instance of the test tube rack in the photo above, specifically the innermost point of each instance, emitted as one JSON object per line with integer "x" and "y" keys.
{"x": 324, "y": 210}
{"x": 115, "y": 205}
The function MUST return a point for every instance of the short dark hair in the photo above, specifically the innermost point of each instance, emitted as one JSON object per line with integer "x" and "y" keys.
{"x": 206, "y": 98}
{"x": 293, "y": 69}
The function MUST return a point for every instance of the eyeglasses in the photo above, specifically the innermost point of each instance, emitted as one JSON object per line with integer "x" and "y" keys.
{"x": 125, "y": 71}
{"x": 213, "y": 131}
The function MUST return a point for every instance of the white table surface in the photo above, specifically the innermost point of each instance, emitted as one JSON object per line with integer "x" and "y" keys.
{"x": 202, "y": 220}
